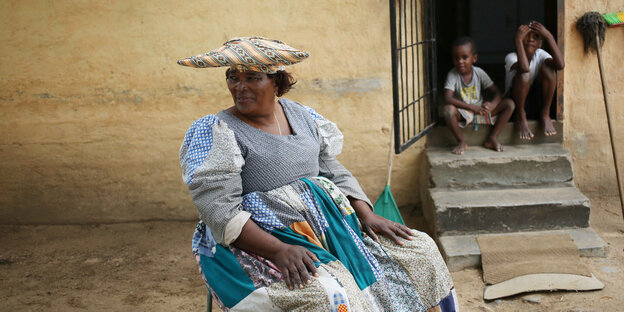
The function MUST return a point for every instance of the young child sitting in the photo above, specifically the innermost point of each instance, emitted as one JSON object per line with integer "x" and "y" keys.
{"x": 523, "y": 67}
{"x": 464, "y": 100}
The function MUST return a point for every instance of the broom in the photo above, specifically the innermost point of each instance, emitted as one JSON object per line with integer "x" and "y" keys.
{"x": 385, "y": 205}
{"x": 592, "y": 27}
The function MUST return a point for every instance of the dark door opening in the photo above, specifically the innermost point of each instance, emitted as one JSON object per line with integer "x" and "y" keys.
{"x": 492, "y": 24}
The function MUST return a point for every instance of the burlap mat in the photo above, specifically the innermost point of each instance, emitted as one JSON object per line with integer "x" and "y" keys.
{"x": 507, "y": 256}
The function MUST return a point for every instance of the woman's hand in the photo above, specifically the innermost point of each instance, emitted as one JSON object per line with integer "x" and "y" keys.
{"x": 296, "y": 263}
{"x": 374, "y": 224}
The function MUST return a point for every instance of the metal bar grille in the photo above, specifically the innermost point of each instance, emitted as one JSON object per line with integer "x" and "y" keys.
{"x": 413, "y": 69}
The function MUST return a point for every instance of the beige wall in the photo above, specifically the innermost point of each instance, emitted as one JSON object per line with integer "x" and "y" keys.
{"x": 93, "y": 107}
{"x": 586, "y": 131}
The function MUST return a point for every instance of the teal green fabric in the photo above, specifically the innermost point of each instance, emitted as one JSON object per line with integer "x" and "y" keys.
{"x": 288, "y": 236}
{"x": 340, "y": 242}
{"x": 354, "y": 224}
{"x": 386, "y": 207}
{"x": 226, "y": 277}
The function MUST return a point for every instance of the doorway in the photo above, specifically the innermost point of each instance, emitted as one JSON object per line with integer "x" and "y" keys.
{"x": 492, "y": 24}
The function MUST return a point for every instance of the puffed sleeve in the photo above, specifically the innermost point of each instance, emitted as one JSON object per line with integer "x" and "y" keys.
{"x": 330, "y": 140}
{"x": 211, "y": 164}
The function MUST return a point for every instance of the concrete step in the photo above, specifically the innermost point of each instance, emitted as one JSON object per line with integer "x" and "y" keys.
{"x": 457, "y": 212}
{"x": 462, "y": 251}
{"x": 517, "y": 166}
{"x": 442, "y": 136}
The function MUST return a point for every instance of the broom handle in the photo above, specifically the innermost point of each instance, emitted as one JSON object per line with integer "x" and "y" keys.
{"x": 390, "y": 154}
{"x": 606, "y": 101}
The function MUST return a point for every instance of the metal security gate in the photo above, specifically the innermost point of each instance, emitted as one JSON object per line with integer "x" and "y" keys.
{"x": 413, "y": 39}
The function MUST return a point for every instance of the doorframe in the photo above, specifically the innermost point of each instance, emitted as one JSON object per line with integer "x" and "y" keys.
{"x": 561, "y": 44}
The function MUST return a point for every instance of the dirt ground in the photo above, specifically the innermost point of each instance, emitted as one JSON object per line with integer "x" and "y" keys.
{"x": 148, "y": 267}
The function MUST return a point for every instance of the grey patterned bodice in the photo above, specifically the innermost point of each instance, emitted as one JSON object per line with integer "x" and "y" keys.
{"x": 273, "y": 160}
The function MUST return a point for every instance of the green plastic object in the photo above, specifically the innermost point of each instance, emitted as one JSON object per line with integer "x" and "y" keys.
{"x": 386, "y": 207}
{"x": 613, "y": 19}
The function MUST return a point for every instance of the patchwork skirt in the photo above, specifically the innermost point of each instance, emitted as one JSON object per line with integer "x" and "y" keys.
{"x": 355, "y": 272}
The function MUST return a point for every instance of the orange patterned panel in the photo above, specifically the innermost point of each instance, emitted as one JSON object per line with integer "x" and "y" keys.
{"x": 304, "y": 229}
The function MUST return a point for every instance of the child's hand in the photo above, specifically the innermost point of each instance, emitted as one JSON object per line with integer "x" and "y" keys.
{"x": 522, "y": 31}
{"x": 479, "y": 110}
{"x": 488, "y": 106}
{"x": 539, "y": 29}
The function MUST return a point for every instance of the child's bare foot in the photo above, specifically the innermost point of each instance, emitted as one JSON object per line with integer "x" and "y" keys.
{"x": 493, "y": 144}
{"x": 523, "y": 129}
{"x": 460, "y": 148}
{"x": 549, "y": 129}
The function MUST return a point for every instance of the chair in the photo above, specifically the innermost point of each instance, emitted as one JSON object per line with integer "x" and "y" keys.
{"x": 209, "y": 302}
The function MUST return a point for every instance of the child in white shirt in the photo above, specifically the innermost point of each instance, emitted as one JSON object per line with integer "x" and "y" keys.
{"x": 529, "y": 64}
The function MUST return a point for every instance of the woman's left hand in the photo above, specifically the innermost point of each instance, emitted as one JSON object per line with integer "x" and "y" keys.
{"x": 374, "y": 224}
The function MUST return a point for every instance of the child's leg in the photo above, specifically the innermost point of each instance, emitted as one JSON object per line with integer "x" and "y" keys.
{"x": 547, "y": 77}
{"x": 503, "y": 110}
{"x": 520, "y": 86}
{"x": 452, "y": 118}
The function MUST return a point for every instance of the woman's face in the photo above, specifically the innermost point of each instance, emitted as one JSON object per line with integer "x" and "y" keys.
{"x": 253, "y": 92}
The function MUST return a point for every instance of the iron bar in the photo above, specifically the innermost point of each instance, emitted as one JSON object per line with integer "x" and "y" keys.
{"x": 413, "y": 46}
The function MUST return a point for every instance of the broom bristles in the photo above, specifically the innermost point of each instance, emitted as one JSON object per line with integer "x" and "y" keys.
{"x": 590, "y": 25}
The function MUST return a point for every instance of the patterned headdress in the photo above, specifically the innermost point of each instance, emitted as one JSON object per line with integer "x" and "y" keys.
{"x": 249, "y": 54}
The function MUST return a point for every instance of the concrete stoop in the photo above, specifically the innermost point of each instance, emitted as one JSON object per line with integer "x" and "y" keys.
{"x": 462, "y": 251}
{"x": 508, "y": 210}
{"x": 526, "y": 189}
{"x": 442, "y": 136}
{"x": 517, "y": 166}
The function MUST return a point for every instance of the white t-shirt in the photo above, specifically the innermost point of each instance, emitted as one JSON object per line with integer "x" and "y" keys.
{"x": 538, "y": 59}
{"x": 469, "y": 93}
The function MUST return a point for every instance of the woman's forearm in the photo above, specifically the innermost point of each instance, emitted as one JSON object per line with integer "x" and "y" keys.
{"x": 296, "y": 263}
{"x": 257, "y": 241}
{"x": 362, "y": 209}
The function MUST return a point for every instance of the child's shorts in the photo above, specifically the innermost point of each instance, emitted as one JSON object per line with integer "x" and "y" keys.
{"x": 469, "y": 118}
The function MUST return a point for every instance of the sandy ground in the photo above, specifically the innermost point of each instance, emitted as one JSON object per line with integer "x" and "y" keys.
{"x": 148, "y": 267}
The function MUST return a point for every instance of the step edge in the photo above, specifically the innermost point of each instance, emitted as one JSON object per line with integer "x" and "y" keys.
{"x": 472, "y": 259}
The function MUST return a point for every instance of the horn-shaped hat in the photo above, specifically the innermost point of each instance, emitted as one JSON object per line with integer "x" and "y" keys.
{"x": 249, "y": 54}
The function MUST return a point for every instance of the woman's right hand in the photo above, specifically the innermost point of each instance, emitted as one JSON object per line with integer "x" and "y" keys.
{"x": 296, "y": 264}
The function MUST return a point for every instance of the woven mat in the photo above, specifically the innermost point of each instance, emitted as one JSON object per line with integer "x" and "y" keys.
{"x": 507, "y": 256}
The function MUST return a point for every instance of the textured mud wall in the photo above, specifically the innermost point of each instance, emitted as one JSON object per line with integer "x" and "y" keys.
{"x": 93, "y": 107}
{"x": 586, "y": 131}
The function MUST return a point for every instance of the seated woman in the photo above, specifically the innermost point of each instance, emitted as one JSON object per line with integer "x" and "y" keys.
{"x": 282, "y": 221}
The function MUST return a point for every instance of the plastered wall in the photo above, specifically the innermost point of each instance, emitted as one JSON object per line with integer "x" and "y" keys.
{"x": 586, "y": 132}
{"x": 93, "y": 106}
